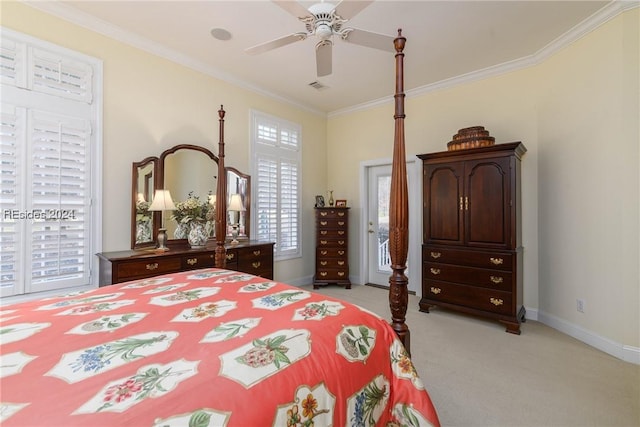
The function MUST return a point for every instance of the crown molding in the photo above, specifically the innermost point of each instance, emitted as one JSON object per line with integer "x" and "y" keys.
{"x": 605, "y": 14}
{"x": 608, "y": 12}
{"x": 92, "y": 23}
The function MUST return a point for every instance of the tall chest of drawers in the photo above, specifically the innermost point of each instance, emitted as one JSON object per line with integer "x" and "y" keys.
{"x": 332, "y": 247}
{"x": 472, "y": 250}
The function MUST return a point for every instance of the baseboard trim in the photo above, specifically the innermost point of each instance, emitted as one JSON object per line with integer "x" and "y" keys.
{"x": 623, "y": 352}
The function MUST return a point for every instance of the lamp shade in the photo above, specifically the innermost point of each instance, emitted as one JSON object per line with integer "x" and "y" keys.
{"x": 235, "y": 203}
{"x": 162, "y": 201}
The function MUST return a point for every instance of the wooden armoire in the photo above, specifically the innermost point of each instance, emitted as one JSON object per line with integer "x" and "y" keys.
{"x": 471, "y": 252}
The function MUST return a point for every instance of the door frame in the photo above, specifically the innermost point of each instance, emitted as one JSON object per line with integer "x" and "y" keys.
{"x": 414, "y": 172}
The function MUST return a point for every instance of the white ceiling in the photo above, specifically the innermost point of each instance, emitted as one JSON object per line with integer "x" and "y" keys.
{"x": 447, "y": 41}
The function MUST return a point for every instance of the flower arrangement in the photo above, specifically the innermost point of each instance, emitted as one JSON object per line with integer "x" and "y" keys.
{"x": 192, "y": 209}
{"x": 142, "y": 211}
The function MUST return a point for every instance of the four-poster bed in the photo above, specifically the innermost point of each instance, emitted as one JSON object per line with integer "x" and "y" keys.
{"x": 212, "y": 346}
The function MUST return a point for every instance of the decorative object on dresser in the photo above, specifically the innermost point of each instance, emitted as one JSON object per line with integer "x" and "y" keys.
{"x": 473, "y": 137}
{"x": 332, "y": 247}
{"x": 341, "y": 203}
{"x": 471, "y": 252}
{"x": 247, "y": 256}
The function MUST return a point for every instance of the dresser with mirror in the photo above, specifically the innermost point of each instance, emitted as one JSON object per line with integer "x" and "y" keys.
{"x": 186, "y": 171}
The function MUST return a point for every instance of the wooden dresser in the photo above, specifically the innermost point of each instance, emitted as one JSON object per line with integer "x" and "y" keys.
{"x": 472, "y": 253}
{"x": 332, "y": 247}
{"x": 121, "y": 266}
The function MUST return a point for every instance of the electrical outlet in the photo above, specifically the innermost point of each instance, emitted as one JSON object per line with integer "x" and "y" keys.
{"x": 580, "y": 305}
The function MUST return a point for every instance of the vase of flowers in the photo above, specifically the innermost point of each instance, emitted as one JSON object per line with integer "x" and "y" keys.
{"x": 192, "y": 217}
{"x": 143, "y": 221}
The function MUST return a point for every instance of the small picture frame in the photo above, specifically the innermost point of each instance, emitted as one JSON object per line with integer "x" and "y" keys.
{"x": 319, "y": 201}
{"x": 341, "y": 203}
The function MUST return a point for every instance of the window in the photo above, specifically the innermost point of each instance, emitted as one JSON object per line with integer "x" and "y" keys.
{"x": 49, "y": 146}
{"x": 276, "y": 146}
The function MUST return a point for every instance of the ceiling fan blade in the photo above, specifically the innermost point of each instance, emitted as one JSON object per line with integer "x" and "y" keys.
{"x": 293, "y": 7}
{"x": 349, "y": 9}
{"x": 369, "y": 39}
{"x": 282, "y": 41}
{"x": 324, "y": 58}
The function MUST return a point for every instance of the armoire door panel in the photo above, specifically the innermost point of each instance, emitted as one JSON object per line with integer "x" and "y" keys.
{"x": 443, "y": 193}
{"x": 487, "y": 194}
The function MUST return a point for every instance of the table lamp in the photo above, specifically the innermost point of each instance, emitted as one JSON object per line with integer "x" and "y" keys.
{"x": 162, "y": 202}
{"x": 235, "y": 205}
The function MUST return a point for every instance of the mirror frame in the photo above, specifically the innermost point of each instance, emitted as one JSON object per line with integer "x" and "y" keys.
{"x": 134, "y": 199}
{"x": 158, "y": 181}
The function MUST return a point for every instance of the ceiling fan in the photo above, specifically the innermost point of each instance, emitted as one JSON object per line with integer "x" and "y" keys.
{"x": 326, "y": 20}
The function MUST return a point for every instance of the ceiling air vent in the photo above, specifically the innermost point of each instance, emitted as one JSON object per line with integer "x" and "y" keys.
{"x": 317, "y": 85}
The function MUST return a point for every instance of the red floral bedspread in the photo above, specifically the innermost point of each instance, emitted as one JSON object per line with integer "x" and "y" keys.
{"x": 204, "y": 348}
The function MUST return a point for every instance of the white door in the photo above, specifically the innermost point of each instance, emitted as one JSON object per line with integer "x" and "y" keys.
{"x": 377, "y": 179}
{"x": 379, "y": 189}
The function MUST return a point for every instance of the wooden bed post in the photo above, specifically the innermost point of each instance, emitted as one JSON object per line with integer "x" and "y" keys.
{"x": 221, "y": 199}
{"x": 399, "y": 209}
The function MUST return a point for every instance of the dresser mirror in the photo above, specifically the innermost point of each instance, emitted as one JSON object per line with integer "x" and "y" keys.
{"x": 142, "y": 189}
{"x": 186, "y": 171}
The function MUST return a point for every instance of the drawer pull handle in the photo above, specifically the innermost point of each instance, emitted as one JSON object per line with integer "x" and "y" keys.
{"x": 435, "y": 271}
{"x": 323, "y": 214}
{"x": 192, "y": 261}
{"x": 323, "y": 242}
{"x": 435, "y": 255}
{"x": 256, "y": 264}
{"x": 340, "y": 223}
{"x": 323, "y": 273}
{"x": 323, "y": 223}
{"x": 323, "y": 232}
{"x": 496, "y": 301}
{"x": 256, "y": 253}
{"x": 323, "y": 252}
{"x": 496, "y": 279}
{"x": 340, "y": 252}
{"x": 435, "y": 290}
{"x": 341, "y": 242}
{"x": 340, "y": 232}
{"x": 340, "y": 213}
{"x": 340, "y": 273}
{"x": 152, "y": 267}
{"x": 496, "y": 261}
{"x": 340, "y": 262}
{"x": 323, "y": 262}
{"x": 230, "y": 257}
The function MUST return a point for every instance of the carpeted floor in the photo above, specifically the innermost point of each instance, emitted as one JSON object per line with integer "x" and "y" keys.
{"x": 478, "y": 375}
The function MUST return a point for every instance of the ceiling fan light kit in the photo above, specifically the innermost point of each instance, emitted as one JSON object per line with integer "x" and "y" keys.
{"x": 324, "y": 20}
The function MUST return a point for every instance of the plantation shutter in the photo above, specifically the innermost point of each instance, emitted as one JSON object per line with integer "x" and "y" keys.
{"x": 59, "y": 183}
{"x": 277, "y": 160}
{"x": 12, "y": 131}
{"x": 288, "y": 238}
{"x": 267, "y": 201}
{"x": 48, "y": 147}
